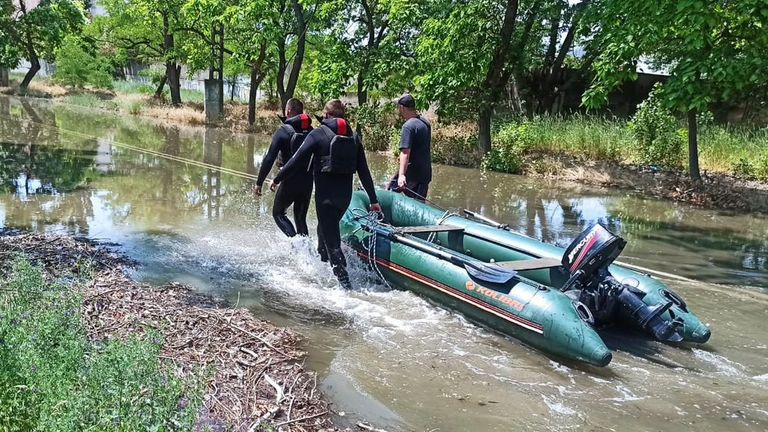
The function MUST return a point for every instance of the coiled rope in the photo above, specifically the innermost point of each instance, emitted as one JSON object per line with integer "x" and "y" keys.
{"x": 371, "y": 218}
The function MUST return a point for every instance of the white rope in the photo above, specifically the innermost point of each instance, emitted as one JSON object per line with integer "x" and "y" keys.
{"x": 372, "y": 218}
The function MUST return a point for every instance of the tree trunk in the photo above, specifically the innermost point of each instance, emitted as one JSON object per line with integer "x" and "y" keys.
{"x": 693, "y": 147}
{"x": 34, "y": 67}
{"x": 232, "y": 83}
{"x": 362, "y": 99}
{"x": 161, "y": 86}
{"x": 174, "y": 82}
{"x": 298, "y": 57}
{"x": 517, "y": 103}
{"x": 484, "y": 130}
{"x": 281, "y": 66}
{"x": 497, "y": 77}
{"x": 362, "y": 92}
{"x": 256, "y": 77}
{"x": 172, "y": 71}
{"x": 4, "y": 77}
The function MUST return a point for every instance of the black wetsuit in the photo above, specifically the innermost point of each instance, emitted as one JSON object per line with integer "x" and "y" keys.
{"x": 297, "y": 190}
{"x": 333, "y": 192}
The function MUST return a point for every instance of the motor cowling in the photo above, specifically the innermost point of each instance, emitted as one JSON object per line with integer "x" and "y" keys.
{"x": 592, "y": 252}
{"x": 587, "y": 260}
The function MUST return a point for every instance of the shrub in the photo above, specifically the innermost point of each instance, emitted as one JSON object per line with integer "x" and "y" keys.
{"x": 656, "y": 134}
{"x": 454, "y": 144}
{"x": 379, "y": 124}
{"x": 53, "y": 378}
{"x": 76, "y": 67}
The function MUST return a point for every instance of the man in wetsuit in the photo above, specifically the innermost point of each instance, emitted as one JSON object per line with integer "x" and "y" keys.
{"x": 415, "y": 171}
{"x": 336, "y": 157}
{"x": 298, "y": 191}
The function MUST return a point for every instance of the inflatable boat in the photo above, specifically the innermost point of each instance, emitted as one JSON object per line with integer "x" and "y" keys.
{"x": 549, "y": 298}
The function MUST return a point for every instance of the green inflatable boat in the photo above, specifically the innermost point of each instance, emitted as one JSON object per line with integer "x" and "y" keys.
{"x": 547, "y": 297}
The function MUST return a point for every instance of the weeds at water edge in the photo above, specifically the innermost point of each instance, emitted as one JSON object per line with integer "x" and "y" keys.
{"x": 53, "y": 378}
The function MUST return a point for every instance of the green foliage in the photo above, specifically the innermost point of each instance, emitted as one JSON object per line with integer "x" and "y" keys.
{"x": 76, "y": 67}
{"x": 511, "y": 142}
{"x": 454, "y": 54}
{"x": 52, "y": 378}
{"x": 504, "y": 158}
{"x": 752, "y": 168}
{"x": 454, "y": 146}
{"x": 45, "y": 26}
{"x": 380, "y": 124}
{"x": 655, "y": 130}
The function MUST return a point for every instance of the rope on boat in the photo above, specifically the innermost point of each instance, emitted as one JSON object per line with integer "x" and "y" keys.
{"x": 370, "y": 247}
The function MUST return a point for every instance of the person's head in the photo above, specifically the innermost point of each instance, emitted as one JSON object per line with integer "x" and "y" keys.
{"x": 406, "y": 105}
{"x": 293, "y": 107}
{"x": 334, "y": 108}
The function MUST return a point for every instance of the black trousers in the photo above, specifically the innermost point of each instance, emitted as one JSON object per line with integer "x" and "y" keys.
{"x": 298, "y": 194}
{"x": 415, "y": 190}
{"x": 329, "y": 214}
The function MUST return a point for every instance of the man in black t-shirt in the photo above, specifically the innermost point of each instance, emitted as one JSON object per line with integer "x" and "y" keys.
{"x": 415, "y": 171}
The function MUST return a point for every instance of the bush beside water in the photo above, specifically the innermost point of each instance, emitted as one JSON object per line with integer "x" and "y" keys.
{"x": 52, "y": 378}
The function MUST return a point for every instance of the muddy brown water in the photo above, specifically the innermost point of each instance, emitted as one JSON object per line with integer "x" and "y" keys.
{"x": 176, "y": 199}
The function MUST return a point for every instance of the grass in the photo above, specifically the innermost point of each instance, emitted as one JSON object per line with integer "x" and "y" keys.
{"x": 53, "y": 378}
{"x": 722, "y": 149}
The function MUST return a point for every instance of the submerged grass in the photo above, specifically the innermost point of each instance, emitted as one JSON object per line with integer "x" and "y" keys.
{"x": 53, "y": 378}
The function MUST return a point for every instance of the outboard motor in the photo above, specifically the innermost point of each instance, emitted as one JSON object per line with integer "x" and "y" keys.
{"x": 587, "y": 260}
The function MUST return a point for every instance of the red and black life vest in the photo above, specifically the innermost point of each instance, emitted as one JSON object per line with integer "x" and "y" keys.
{"x": 342, "y": 153}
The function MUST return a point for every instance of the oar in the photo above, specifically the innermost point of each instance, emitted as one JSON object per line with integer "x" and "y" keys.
{"x": 506, "y": 227}
{"x": 477, "y": 269}
{"x": 487, "y": 221}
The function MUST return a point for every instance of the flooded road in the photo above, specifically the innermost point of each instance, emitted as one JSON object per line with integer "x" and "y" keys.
{"x": 178, "y": 201}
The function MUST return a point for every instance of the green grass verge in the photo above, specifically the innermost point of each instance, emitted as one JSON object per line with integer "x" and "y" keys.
{"x": 52, "y": 378}
{"x": 722, "y": 149}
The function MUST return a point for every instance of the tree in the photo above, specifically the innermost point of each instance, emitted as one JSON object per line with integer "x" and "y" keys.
{"x": 76, "y": 67}
{"x": 467, "y": 56}
{"x": 147, "y": 30}
{"x": 374, "y": 45}
{"x": 36, "y": 32}
{"x": 547, "y": 79}
{"x": 295, "y": 20}
{"x": 715, "y": 52}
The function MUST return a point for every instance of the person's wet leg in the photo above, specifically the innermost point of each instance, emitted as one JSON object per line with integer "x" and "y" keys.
{"x": 321, "y": 249}
{"x": 281, "y": 203}
{"x": 300, "y": 209}
{"x": 328, "y": 218}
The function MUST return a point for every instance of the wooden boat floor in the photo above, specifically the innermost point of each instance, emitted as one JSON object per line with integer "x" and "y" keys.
{"x": 428, "y": 229}
{"x": 531, "y": 264}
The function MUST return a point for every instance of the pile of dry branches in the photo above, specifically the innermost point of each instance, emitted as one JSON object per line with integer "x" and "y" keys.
{"x": 256, "y": 376}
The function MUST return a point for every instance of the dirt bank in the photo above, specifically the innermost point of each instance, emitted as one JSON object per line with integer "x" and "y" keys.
{"x": 256, "y": 379}
{"x": 716, "y": 191}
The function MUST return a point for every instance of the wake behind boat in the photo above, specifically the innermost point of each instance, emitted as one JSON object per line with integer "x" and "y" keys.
{"x": 548, "y": 297}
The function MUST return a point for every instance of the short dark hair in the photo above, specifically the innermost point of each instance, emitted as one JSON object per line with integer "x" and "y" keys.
{"x": 335, "y": 108}
{"x": 294, "y": 105}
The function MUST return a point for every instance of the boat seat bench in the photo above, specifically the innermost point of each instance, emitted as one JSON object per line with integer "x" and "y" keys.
{"x": 530, "y": 264}
{"x": 428, "y": 229}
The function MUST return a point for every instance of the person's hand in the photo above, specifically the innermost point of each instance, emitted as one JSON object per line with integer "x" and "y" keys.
{"x": 273, "y": 186}
{"x": 257, "y": 190}
{"x": 401, "y": 181}
{"x": 376, "y": 207}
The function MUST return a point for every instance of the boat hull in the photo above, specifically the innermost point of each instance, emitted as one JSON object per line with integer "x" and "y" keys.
{"x": 529, "y": 307}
